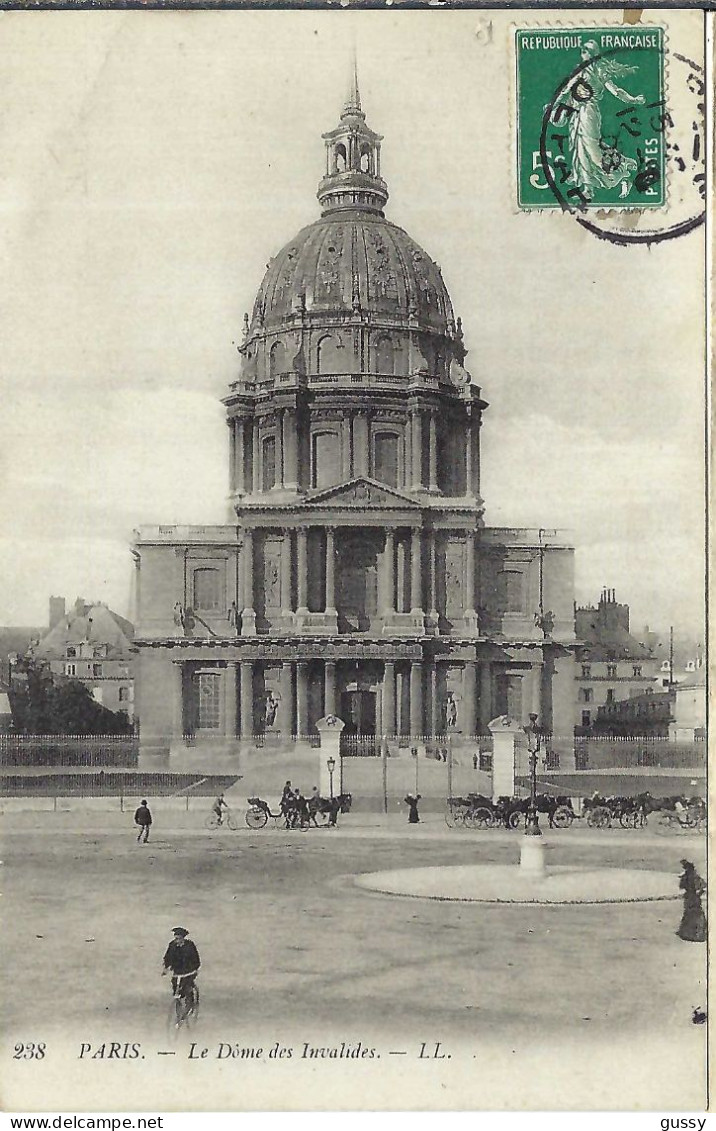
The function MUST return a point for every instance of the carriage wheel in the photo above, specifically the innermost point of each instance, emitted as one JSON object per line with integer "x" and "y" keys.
{"x": 515, "y": 819}
{"x": 231, "y": 822}
{"x": 255, "y": 818}
{"x": 629, "y": 820}
{"x": 605, "y": 819}
{"x": 562, "y": 817}
{"x": 459, "y": 816}
{"x": 690, "y": 820}
{"x": 481, "y": 819}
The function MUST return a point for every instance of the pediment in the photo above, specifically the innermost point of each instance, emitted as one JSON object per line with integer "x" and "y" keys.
{"x": 362, "y": 493}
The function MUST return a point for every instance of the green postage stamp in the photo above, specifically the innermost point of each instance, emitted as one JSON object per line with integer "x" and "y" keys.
{"x": 591, "y": 117}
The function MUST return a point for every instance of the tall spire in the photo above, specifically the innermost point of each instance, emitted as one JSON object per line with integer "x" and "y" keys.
{"x": 352, "y": 179}
{"x": 352, "y": 106}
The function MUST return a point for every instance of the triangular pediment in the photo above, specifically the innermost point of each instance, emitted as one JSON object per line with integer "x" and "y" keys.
{"x": 362, "y": 493}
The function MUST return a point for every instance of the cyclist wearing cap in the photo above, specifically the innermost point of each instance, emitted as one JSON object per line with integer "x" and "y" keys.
{"x": 182, "y": 959}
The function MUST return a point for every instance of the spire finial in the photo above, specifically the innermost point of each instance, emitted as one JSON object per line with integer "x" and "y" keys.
{"x": 352, "y": 105}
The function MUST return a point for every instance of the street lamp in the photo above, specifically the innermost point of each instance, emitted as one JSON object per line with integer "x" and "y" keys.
{"x": 534, "y": 744}
{"x": 330, "y": 766}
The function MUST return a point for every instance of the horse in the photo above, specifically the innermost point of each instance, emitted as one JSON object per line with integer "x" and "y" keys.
{"x": 331, "y": 806}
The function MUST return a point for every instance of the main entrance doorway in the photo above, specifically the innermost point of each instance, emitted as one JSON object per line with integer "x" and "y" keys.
{"x": 358, "y": 711}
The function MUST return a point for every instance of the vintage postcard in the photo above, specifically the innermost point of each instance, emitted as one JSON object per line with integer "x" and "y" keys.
{"x": 352, "y": 681}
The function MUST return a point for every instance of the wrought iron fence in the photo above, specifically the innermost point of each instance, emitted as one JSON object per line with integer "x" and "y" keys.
{"x": 69, "y": 750}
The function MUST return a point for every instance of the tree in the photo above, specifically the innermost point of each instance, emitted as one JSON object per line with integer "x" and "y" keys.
{"x": 47, "y": 704}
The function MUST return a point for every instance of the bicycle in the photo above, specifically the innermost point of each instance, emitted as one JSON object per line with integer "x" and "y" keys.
{"x": 213, "y": 821}
{"x": 185, "y": 1004}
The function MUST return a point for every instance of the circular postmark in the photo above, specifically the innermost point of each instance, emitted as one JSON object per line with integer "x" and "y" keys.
{"x": 675, "y": 129}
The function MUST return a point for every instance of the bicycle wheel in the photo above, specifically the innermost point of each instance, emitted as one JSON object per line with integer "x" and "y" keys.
{"x": 232, "y": 822}
{"x": 629, "y": 820}
{"x": 563, "y": 817}
{"x": 193, "y": 1011}
{"x": 211, "y": 822}
{"x": 256, "y": 818}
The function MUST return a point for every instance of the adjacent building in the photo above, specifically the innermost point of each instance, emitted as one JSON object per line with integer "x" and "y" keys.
{"x": 94, "y": 645}
{"x": 355, "y": 575}
{"x": 611, "y": 664}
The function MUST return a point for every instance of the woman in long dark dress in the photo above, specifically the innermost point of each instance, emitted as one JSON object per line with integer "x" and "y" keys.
{"x": 692, "y": 927}
{"x": 412, "y": 803}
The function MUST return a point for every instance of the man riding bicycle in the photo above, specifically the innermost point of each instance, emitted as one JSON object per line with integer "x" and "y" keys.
{"x": 218, "y": 807}
{"x": 182, "y": 959}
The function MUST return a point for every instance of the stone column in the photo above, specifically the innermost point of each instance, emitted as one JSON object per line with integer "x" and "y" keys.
{"x": 247, "y": 699}
{"x": 329, "y": 728}
{"x": 485, "y": 694}
{"x": 177, "y": 700}
{"x": 389, "y": 713}
{"x": 280, "y": 450}
{"x": 416, "y": 446}
{"x": 467, "y": 724}
{"x": 240, "y": 457}
{"x": 302, "y": 698}
{"x": 433, "y": 566}
{"x": 416, "y": 577}
{"x": 330, "y": 575}
{"x": 361, "y": 444}
{"x": 230, "y": 698}
{"x": 389, "y": 574}
{"x": 433, "y": 464}
{"x": 302, "y": 570}
{"x": 248, "y": 616}
{"x": 435, "y": 719}
{"x": 285, "y": 710}
{"x": 470, "y": 614}
{"x": 329, "y": 687}
{"x": 255, "y": 468}
{"x": 286, "y": 571}
{"x": 401, "y": 602}
{"x": 232, "y": 454}
{"x": 290, "y": 449}
{"x": 468, "y": 458}
{"x": 416, "y": 697}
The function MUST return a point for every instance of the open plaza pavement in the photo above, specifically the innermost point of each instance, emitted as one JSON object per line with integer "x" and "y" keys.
{"x": 563, "y": 1007}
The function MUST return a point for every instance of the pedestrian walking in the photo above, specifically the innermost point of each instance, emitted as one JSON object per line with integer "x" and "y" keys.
{"x": 412, "y": 803}
{"x": 143, "y": 821}
{"x": 692, "y": 927}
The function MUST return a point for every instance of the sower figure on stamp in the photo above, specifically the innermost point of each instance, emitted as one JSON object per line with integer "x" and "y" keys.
{"x": 692, "y": 927}
{"x": 143, "y": 820}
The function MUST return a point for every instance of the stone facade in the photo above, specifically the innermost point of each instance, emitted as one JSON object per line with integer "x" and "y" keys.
{"x": 356, "y": 576}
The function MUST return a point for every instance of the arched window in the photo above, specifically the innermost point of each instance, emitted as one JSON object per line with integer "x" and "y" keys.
{"x": 384, "y": 356}
{"x": 268, "y": 463}
{"x": 366, "y": 159}
{"x": 325, "y": 459}
{"x": 339, "y": 158}
{"x": 207, "y": 589}
{"x": 386, "y": 466}
{"x": 277, "y": 359}
{"x": 329, "y": 355}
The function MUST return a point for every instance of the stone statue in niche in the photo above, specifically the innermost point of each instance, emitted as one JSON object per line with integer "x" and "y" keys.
{"x": 272, "y": 586}
{"x": 450, "y": 711}
{"x": 233, "y": 616}
{"x": 271, "y": 708}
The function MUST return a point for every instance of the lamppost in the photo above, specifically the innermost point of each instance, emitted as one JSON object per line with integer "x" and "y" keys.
{"x": 330, "y": 766}
{"x": 534, "y": 745}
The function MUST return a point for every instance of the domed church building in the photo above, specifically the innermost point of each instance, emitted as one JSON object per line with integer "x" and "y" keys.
{"x": 355, "y": 576}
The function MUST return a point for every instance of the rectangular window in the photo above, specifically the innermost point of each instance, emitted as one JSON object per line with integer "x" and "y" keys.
{"x": 124, "y": 694}
{"x": 71, "y": 651}
{"x": 586, "y": 671}
{"x": 207, "y": 595}
{"x": 96, "y": 670}
{"x": 611, "y": 671}
{"x": 326, "y": 459}
{"x": 586, "y": 718}
{"x": 586, "y": 694}
{"x": 268, "y": 463}
{"x": 509, "y": 591}
{"x": 610, "y": 695}
{"x": 70, "y": 669}
{"x": 385, "y": 458}
{"x": 636, "y": 669}
{"x": 209, "y": 688}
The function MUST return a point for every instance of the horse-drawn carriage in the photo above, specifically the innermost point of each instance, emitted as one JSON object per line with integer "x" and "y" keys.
{"x": 298, "y": 812}
{"x": 475, "y": 811}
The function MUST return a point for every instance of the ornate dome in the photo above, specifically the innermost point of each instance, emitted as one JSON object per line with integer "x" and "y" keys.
{"x": 354, "y": 260}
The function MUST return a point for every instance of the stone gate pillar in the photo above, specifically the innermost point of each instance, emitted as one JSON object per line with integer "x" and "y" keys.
{"x": 504, "y": 731}
{"x": 329, "y": 729}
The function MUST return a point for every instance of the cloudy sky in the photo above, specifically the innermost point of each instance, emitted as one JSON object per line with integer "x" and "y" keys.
{"x": 152, "y": 162}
